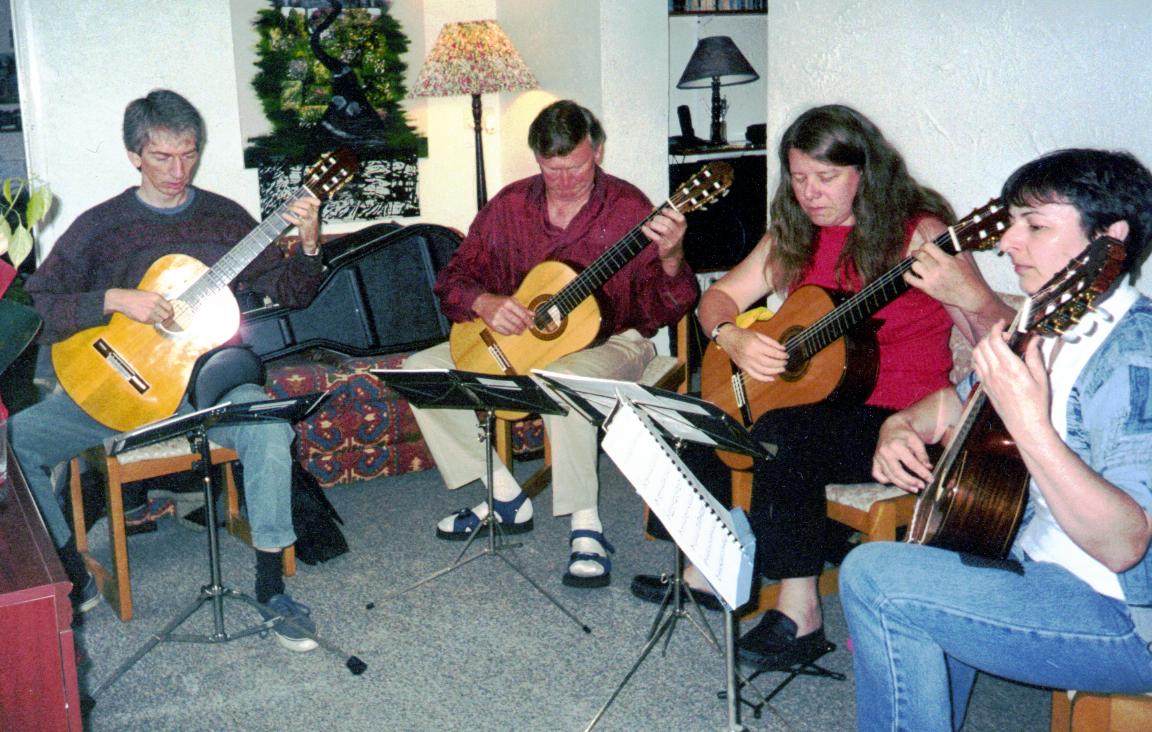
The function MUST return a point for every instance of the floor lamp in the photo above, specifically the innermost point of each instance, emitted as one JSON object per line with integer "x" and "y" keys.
{"x": 473, "y": 57}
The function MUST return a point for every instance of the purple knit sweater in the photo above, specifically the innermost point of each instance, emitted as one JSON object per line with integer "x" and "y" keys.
{"x": 112, "y": 245}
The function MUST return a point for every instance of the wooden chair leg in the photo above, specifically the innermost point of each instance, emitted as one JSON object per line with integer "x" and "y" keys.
{"x": 76, "y": 494}
{"x": 503, "y": 435}
{"x": 115, "y": 584}
{"x": 1061, "y": 712}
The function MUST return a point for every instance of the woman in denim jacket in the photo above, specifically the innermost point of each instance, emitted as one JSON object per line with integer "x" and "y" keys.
{"x": 1070, "y": 607}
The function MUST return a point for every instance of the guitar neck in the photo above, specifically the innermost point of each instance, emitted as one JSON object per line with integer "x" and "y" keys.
{"x": 221, "y": 274}
{"x": 858, "y": 308}
{"x": 594, "y": 275}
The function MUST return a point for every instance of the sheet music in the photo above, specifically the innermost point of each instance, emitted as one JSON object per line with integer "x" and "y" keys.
{"x": 599, "y": 396}
{"x": 717, "y": 541}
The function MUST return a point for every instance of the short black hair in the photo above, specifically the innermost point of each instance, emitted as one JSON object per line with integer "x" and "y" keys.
{"x": 161, "y": 110}
{"x": 561, "y": 126}
{"x": 1104, "y": 186}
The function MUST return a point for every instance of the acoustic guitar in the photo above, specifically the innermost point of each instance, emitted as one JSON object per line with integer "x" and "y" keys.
{"x": 979, "y": 487}
{"x": 830, "y": 354}
{"x": 126, "y": 374}
{"x": 566, "y": 316}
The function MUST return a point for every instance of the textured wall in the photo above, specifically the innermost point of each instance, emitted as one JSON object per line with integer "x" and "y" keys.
{"x": 969, "y": 91}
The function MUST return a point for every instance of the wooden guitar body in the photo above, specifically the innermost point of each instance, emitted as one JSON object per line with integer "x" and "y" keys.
{"x": 977, "y": 495}
{"x": 126, "y": 374}
{"x": 476, "y": 348}
{"x": 844, "y": 369}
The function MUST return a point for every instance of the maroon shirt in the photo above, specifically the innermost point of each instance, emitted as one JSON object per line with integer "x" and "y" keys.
{"x": 512, "y": 234}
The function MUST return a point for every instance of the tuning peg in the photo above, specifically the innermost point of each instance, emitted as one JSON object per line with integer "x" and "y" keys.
{"x": 1101, "y": 313}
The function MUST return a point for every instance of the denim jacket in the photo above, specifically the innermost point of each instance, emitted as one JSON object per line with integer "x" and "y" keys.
{"x": 1110, "y": 423}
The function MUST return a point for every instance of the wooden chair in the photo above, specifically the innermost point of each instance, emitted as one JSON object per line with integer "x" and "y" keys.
{"x": 164, "y": 458}
{"x": 1078, "y": 711}
{"x": 663, "y": 372}
{"x": 877, "y": 511}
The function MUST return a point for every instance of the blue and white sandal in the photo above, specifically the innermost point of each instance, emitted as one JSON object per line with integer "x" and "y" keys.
{"x": 604, "y": 578}
{"x": 460, "y": 525}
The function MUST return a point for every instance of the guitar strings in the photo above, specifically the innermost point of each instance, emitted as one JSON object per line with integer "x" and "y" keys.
{"x": 604, "y": 266}
{"x": 823, "y": 330}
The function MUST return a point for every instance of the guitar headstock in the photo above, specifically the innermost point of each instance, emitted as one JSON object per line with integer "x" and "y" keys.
{"x": 329, "y": 174}
{"x": 709, "y": 183}
{"x": 980, "y": 229}
{"x": 1063, "y": 300}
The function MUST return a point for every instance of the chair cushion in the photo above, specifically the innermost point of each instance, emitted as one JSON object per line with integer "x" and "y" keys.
{"x": 861, "y": 496}
{"x": 175, "y": 447}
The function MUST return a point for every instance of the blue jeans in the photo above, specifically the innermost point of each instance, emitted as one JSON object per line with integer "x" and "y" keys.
{"x": 924, "y": 620}
{"x": 55, "y": 430}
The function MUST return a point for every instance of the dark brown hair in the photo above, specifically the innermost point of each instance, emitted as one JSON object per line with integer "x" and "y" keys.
{"x": 886, "y": 199}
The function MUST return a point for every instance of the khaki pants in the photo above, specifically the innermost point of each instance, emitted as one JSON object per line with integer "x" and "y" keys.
{"x": 451, "y": 433}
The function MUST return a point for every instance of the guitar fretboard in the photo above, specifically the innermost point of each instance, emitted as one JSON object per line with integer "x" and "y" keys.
{"x": 221, "y": 274}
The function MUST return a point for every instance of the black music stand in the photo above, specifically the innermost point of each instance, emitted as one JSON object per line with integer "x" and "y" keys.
{"x": 680, "y": 419}
{"x": 452, "y": 389}
{"x": 195, "y": 426}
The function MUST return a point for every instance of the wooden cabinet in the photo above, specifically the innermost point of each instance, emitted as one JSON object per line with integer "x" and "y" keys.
{"x": 38, "y": 685}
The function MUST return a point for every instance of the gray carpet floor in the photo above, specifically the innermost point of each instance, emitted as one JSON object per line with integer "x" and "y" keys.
{"x": 475, "y": 649}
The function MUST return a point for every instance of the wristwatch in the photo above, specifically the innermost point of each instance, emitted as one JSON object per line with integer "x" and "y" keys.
{"x": 716, "y": 331}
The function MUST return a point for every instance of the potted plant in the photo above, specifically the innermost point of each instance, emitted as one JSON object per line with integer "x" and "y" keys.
{"x": 24, "y": 203}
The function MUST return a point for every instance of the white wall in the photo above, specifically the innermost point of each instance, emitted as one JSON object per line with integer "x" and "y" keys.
{"x": 969, "y": 91}
{"x": 81, "y": 63}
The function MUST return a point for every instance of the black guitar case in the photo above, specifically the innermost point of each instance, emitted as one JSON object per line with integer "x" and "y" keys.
{"x": 377, "y": 297}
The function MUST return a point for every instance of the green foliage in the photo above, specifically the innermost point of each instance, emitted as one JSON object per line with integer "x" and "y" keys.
{"x": 295, "y": 88}
{"x": 25, "y": 203}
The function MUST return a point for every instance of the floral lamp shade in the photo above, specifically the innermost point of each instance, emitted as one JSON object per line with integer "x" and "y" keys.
{"x": 473, "y": 57}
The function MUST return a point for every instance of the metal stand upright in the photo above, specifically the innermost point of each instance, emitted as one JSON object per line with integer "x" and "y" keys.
{"x": 450, "y": 389}
{"x": 195, "y": 427}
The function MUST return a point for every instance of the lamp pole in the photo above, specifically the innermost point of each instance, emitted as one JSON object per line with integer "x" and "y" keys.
{"x": 481, "y": 187}
{"x": 719, "y": 108}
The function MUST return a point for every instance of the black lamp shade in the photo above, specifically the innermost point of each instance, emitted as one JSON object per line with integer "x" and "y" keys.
{"x": 716, "y": 56}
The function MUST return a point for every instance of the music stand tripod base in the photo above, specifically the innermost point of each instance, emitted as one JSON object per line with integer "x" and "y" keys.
{"x": 195, "y": 427}
{"x": 451, "y": 389}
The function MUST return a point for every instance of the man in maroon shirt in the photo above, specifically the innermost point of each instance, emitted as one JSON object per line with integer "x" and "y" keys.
{"x": 572, "y": 211}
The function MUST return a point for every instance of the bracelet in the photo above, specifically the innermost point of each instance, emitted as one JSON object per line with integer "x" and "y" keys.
{"x": 716, "y": 331}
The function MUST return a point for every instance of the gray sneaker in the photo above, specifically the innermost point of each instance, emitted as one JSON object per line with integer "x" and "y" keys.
{"x": 85, "y": 598}
{"x": 294, "y": 628}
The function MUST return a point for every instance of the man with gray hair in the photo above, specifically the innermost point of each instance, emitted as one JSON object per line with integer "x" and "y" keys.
{"x": 93, "y": 271}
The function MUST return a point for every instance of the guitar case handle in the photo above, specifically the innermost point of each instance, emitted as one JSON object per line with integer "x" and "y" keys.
{"x": 221, "y": 370}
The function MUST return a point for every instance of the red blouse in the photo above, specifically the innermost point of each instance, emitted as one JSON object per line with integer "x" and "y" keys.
{"x": 913, "y": 341}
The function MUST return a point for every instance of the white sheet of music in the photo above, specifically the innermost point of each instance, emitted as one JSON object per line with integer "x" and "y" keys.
{"x": 717, "y": 541}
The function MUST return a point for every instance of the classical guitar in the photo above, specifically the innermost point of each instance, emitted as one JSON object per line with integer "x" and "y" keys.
{"x": 127, "y": 373}
{"x": 566, "y": 316}
{"x": 979, "y": 485}
{"x": 830, "y": 356}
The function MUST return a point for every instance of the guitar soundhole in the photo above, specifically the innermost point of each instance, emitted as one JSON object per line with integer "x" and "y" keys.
{"x": 181, "y": 314}
{"x": 798, "y": 363}
{"x": 547, "y": 326}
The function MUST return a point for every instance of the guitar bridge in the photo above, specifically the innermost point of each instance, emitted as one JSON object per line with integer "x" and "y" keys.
{"x": 741, "y": 396}
{"x": 497, "y": 355}
{"x": 120, "y": 366}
